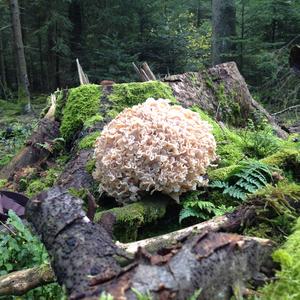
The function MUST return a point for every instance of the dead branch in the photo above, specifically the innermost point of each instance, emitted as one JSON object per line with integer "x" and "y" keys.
{"x": 83, "y": 256}
{"x": 19, "y": 282}
{"x": 83, "y": 78}
{"x": 144, "y": 72}
{"x": 286, "y": 109}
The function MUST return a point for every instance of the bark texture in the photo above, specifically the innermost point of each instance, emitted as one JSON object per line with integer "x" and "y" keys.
{"x": 83, "y": 256}
{"x": 20, "y": 282}
{"x": 33, "y": 153}
{"x": 2, "y": 65}
{"x": 23, "y": 81}
{"x": 75, "y": 174}
{"x": 222, "y": 92}
{"x": 223, "y": 21}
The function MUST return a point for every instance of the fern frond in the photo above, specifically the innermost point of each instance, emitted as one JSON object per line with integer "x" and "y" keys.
{"x": 219, "y": 184}
{"x": 235, "y": 192}
{"x": 187, "y": 213}
{"x": 247, "y": 185}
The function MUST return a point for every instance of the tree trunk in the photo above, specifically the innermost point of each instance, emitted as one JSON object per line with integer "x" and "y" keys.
{"x": 23, "y": 82}
{"x": 242, "y": 36}
{"x": 224, "y": 21}
{"x": 41, "y": 77}
{"x": 75, "y": 17}
{"x": 2, "y": 65}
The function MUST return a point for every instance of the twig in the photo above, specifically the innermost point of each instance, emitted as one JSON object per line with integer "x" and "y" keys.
{"x": 286, "y": 109}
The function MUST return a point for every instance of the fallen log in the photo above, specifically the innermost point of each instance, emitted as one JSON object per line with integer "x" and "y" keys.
{"x": 10, "y": 283}
{"x": 19, "y": 282}
{"x": 84, "y": 254}
{"x": 255, "y": 211}
{"x": 33, "y": 152}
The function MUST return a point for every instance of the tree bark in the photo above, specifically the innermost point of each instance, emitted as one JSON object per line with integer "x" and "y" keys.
{"x": 20, "y": 282}
{"x": 224, "y": 22}
{"x": 2, "y": 65}
{"x": 33, "y": 152}
{"x": 222, "y": 92}
{"x": 84, "y": 257}
{"x": 22, "y": 75}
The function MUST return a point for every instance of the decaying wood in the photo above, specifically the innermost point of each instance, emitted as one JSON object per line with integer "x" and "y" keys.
{"x": 19, "y": 282}
{"x": 75, "y": 174}
{"x": 295, "y": 128}
{"x": 83, "y": 78}
{"x": 220, "y": 91}
{"x": 229, "y": 223}
{"x": 33, "y": 152}
{"x": 144, "y": 72}
{"x": 244, "y": 215}
{"x": 50, "y": 115}
{"x": 83, "y": 256}
{"x": 286, "y": 109}
{"x": 148, "y": 71}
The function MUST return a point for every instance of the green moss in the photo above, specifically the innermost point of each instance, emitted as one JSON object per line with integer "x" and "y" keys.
{"x": 89, "y": 140}
{"x": 277, "y": 208}
{"x": 61, "y": 97}
{"x": 281, "y": 158}
{"x": 129, "y": 94}
{"x": 228, "y": 106}
{"x": 3, "y": 182}
{"x": 5, "y": 160}
{"x": 287, "y": 285}
{"x": 285, "y": 159}
{"x": 81, "y": 193}
{"x": 90, "y": 166}
{"x": 133, "y": 216}
{"x": 9, "y": 111}
{"x": 230, "y": 145}
{"x": 221, "y": 173}
{"x": 83, "y": 103}
{"x": 36, "y": 186}
{"x": 92, "y": 121}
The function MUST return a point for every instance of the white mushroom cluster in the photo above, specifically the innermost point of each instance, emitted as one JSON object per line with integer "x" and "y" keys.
{"x": 153, "y": 147}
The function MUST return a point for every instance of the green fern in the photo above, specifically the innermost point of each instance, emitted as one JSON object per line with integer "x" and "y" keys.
{"x": 200, "y": 209}
{"x": 249, "y": 177}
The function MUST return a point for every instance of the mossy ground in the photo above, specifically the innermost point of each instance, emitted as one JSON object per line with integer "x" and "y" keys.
{"x": 40, "y": 183}
{"x": 286, "y": 287}
{"x": 16, "y": 126}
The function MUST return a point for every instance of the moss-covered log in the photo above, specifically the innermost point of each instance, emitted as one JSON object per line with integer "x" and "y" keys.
{"x": 286, "y": 159}
{"x": 222, "y": 92}
{"x": 36, "y": 150}
{"x": 261, "y": 215}
{"x": 133, "y": 217}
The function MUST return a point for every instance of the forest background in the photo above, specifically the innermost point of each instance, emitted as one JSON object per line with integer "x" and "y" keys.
{"x": 172, "y": 36}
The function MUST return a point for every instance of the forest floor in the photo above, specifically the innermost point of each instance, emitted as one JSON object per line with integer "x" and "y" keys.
{"x": 258, "y": 143}
{"x": 16, "y": 125}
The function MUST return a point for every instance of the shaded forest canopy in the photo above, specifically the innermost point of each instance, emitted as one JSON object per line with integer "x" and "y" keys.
{"x": 172, "y": 36}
